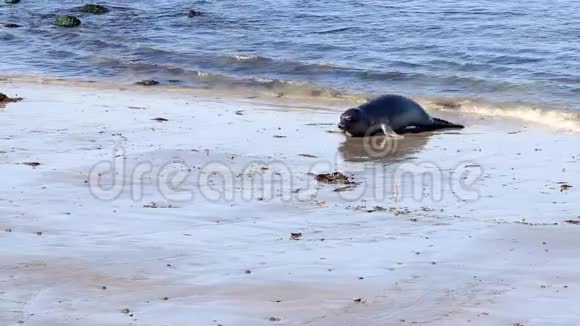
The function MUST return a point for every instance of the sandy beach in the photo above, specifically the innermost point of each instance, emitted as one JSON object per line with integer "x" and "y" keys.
{"x": 160, "y": 206}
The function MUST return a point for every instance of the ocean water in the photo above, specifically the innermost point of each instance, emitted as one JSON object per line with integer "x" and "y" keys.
{"x": 523, "y": 52}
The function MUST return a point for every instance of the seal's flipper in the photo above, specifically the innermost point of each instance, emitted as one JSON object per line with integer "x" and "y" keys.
{"x": 437, "y": 124}
{"x": 389, "y": 132}
{"x": 442, "y": 124}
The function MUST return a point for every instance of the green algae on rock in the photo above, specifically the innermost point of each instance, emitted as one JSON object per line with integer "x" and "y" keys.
{"x": 94, "y": 9}
{"x": 67, "y": 21}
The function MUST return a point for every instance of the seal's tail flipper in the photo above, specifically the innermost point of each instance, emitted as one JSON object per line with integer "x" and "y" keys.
{"x": 442, "y": 124}
{"x": 436, "y": 125}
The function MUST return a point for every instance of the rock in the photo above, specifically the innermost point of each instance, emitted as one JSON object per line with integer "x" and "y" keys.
{"x": 94, "y": 9}
{"x": 67, "y": 21}
{"x": 33, "y": 164}
{"x": 5, "y": 99}
{"x": 147, "y": 82}
{"x": 194, "y": 13}
{"x": 9, "y": 25}
{"x": 295, "y": 235}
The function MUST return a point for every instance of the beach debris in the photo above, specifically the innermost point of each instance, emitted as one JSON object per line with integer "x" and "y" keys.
{"x": 147, "y": 82}
{"x": 359, "y": 300}
{"x": 194, "y": 13}
{"x": 125, "y": 311}
{"x": 335, "y": 177}
{"x": 273, "y": 319}
{"x": 159, "y": 119}
{"x": 320, "y": 124}
{"x": 103, "y": 287}
{"x": 156, "y": 205}
{"x": 319, "y": 202}
{"x": 6, "y": 99}
{"x": 164, "y": 298}
{"x": 38, "y": 233}
{"x": 295, "y": 235}
{"x": 67, "y": 21}
{"x": 33, "y": 164}
{"x": 94, "y": 9}
{"x": 341, "y": 189}
{"x": 524, "y": 222}
{"x": 240, "y": 112}
{"x": 564, "y": 186}
{"x": 308, "y": 155}
{"x": 518, "y": 324}
{"x": 247, "y": 271}
{"x": 396, "y": 211}
{"x": 137, "y": 108}
{"x": 279, "y": 136}
{"x": 576, "y": 222}
{"x": 12, "y": 1}
{"x": 8, "y": 230}
{"x": 9, "y": 25}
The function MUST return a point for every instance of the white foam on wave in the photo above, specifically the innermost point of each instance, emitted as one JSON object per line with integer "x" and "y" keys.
{"x": 558, "y": 119}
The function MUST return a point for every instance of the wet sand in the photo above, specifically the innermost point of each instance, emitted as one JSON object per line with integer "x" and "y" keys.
{"x": 194, "y": 225}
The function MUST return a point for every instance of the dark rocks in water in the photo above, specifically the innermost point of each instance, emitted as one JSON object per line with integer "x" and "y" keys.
{"x": 94, "y": 9}
{"x": 194, "y": 13}
{"x": 12, "y": 1}
{"x": 67, "y": 21}
{"x": 5, "y": 99}
{"x": 147, "y": 82}
{"x": 9, "y": 25}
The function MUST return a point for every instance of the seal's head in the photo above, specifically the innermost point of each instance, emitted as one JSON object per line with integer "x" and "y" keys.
{"x": 354, "y": 122}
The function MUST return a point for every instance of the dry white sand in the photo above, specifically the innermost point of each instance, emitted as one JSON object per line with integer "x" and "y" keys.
{"x": 182, "y": 237}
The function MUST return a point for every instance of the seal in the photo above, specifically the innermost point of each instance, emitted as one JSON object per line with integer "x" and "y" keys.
{"x": 388, "y": 115}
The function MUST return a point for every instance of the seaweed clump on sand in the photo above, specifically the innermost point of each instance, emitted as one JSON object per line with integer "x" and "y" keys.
{"x": 67, "y": 21}
{"x": 335, "y": 177}
{"x": 94, "y": 9}
{"x": 5, "y": 99}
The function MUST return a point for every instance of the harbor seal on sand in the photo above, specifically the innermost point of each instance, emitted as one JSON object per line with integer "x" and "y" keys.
{"x": 390, "y": 114}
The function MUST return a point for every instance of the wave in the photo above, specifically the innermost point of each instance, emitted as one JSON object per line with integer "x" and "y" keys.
{"x": 553, "y": 118}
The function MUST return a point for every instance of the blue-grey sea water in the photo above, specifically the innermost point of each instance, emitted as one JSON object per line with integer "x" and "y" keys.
{"x": 513, "y": 51}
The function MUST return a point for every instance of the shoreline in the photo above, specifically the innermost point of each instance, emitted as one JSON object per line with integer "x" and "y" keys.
{"x": 441, "y": 257}
{"x": 561, "y": 118}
